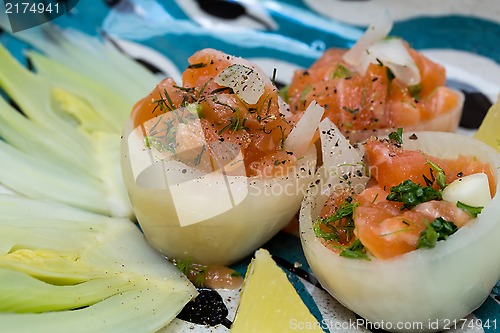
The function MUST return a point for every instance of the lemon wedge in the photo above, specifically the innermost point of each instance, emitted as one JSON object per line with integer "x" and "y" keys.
{"x": 488, "y": 131}
{"x": 269, "y": 302}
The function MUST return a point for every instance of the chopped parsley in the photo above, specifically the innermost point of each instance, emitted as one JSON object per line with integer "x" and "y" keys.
{"x": 304, "y": 93}
{"x": 183, "y": 265}
{"x": 440, "y": 177}
{"x": 283, "y": 92}
{"x": 340, "y": 71}
{"x": 397, "y": 137}
{"x": 415, "y": 91}
{"x": 195, "y": 109}
{"x": 331, "y": 234}
{"x": 437, "y": 230}
{"x": 472, "y": 211}
{"x": 235, "y": 274}
{"x": 412, "y": 194}
{"x": 345, "y": 211}
{"x": 390, "y": 75}
{"x": 351, "y": 111}
{"x": 194, "y": 272}
{"x": 198, "y": 65}
{"x": 355, "y": 251}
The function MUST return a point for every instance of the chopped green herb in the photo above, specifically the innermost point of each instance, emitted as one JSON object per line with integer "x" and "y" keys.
{"x": 198, "y": 65}
{"x": 202, "y": 90}
{"x": 197, "y": 159}
{"x": 390, "y": 74}
{"x": 167, "y": 97}
{"x": 340, "y": 71}
{"x": 397, "y": 137}
{"x": 415, "y": 91}
{"x": 184, "y": 265}
{"x": 195, "y": 109}
{"x": 199, "y": 278}
{"x": 284, "y": 93}
{"x": 352, "y": 111}
{"x": 355, "y": 251}
{"x": 440, "y": 177}
{"x": 155, "y": 143}
{"x": 196, "y": 273}
{"x": 331, "y": 234}
{"x": 412, "y": 194}
{"x": 235, "y": 124}
{"x": 472, "y": 211}
{"x": 345, "y": 211}
{"x": 437, "y": 230}
{"x": 235, "y": 274}
{"x": 303, "y": 94}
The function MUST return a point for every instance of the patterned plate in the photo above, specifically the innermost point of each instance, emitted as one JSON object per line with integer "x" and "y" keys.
{"x": 462, "y": 35}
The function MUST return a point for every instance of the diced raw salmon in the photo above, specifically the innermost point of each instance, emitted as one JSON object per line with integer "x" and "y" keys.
{"x": 257, "y": 129}
{"x": 374, "y": 100}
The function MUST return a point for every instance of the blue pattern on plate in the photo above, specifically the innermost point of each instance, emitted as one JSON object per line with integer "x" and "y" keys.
{"x": 299, "y": 36}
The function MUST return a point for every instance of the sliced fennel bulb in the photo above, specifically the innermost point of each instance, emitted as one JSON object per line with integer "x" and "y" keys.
{"x": 74, "y": 107}
{"x": 76, "y": 271}
{"x": 64, "y": 266}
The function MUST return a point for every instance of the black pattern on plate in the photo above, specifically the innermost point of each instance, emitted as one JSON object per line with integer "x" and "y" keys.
{"x": 229, "y": 10}
{"x": 476, "y": 104}
{"x": 207, "y": 308}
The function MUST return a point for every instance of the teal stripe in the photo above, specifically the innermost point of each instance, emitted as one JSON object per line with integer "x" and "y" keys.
{"x": 453, "y": 32}
{"x": 489, "y": 315}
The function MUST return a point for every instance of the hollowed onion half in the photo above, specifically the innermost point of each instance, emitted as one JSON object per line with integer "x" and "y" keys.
{"x": 208, "y": 217}
{"x": 426, "y": 286}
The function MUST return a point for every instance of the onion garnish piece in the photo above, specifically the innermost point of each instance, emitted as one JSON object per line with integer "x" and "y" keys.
{"x": 374, "y": 48}
{"x": 245, "y": 82}
{"x": 472, "y": 190}
{"x": 342, "y": 163}
{"x": 378, "y": 30}
{"x": 425, "y": 286}
{"x": 299, "y": 139}
{"x": 392, "y": 53}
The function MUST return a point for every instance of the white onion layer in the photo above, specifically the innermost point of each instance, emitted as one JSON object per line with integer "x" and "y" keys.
{"x": 393, "y": 54}
{"x": 376, "y": 31}
{"x": 426, "y": 286}
{"x": 374, "y": 48}
{"x": 243, "y": 80}
{"x": 300, "y": 138}
{"x": 211, "y": 218}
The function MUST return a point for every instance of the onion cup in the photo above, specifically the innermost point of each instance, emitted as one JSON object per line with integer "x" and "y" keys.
{"x": 210, "y": 217}
{"x": 421, "y": 290}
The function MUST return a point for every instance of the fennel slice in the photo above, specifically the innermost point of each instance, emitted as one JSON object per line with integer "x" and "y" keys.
{"x": 80, "y": 272}
{"x": 67, "y": 140}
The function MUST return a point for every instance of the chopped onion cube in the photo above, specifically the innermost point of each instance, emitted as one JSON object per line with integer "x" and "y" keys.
{"x": 472, "y": 190}
{"x": 393, "y": 54}
{"x": 245, "y": 82}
